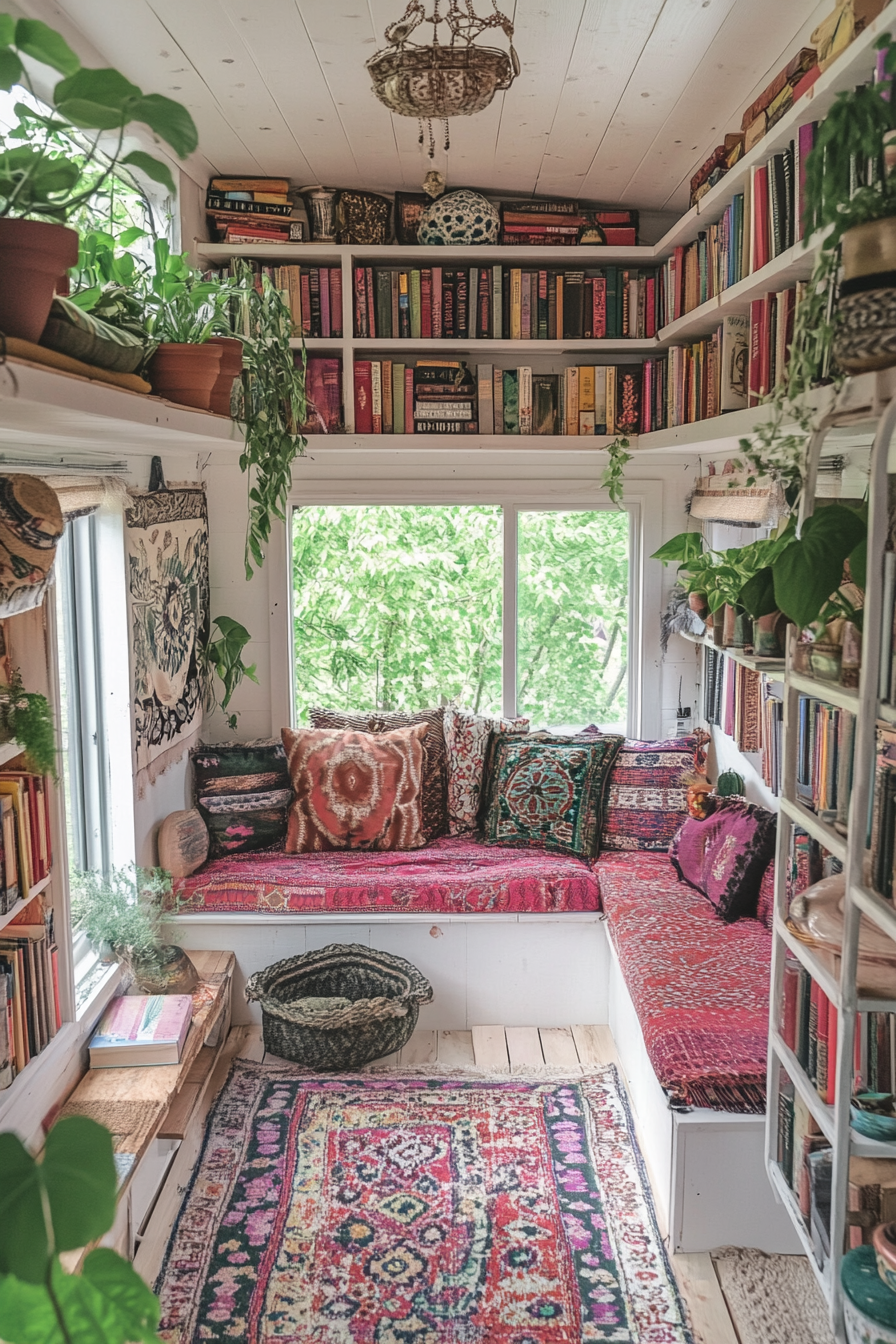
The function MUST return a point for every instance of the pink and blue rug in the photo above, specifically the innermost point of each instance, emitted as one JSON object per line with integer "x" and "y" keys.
{"x": 401, "y": 1209}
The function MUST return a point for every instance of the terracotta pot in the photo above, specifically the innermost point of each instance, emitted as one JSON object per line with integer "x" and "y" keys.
{"x": 698, "y": 603}
{"x": 185, "y": 373}
{"x": 768, "y": 635}
{"x": 231, "y": 367}
{"x": 736, "y": 628}
{"x": 718, "y": 627}
{"x": 33, "y": 257}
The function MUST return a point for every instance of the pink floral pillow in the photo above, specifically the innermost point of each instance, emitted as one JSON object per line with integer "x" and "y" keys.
{"x": 466, "y": 741}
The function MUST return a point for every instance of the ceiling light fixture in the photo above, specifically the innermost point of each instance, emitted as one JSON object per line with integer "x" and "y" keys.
{"x": 455, "y": 78}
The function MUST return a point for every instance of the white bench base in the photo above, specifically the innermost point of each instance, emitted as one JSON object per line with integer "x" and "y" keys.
{"x": 706, "y": 1167}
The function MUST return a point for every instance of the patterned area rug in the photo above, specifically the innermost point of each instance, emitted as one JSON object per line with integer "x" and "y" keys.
{"x": 404, "y": 1209}
{"x": 774, "y": 1299}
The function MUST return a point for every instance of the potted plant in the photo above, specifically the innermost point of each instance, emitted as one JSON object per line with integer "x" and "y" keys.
{"x": 26, "y": 718}
{"x": 123, "y": 913}
{"x": 860, "y": 128}
{"x": 42, "y": 184}
{"x": 184, "y": 312}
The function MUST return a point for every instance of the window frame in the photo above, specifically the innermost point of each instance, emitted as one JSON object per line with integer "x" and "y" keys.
{"x": 643, "y": 502}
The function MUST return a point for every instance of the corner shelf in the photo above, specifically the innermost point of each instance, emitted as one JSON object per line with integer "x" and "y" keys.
{"x": 23, "y": 900}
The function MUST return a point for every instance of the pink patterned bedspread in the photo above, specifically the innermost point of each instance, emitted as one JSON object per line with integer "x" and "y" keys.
{"x": 700, "y": 987}
{"x": 454, "y": 875}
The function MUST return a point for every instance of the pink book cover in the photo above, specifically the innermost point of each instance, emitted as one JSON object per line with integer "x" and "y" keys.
{"x": 145, "y": 1019}
{"x": 436, "y": 303}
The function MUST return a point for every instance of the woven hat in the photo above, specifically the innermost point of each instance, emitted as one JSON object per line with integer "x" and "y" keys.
{"x": 31, "y": 524}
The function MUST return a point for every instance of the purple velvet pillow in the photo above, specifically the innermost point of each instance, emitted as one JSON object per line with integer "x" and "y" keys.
{"x": 725, "y": 856}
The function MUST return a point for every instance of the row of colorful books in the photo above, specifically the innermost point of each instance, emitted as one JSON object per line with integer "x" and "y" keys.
{"x": 446, "y": 397}
{"x": 809, "y": 1028}
{"x": 313, "y": 295}
{"x": 537, "y": 223}
{"x": 30, "y": 1011}
{"x": 824, "y": 765}
{"x": 731, "y": 699}
{"x": 503, "y": 303}
{"x": 25, "y": 848}
{"x": 757, "y": 226}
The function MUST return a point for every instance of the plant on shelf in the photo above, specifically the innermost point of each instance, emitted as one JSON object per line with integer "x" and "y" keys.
{"x": 613, "y": 478}
{"x": 26, "y": 718}
{"x": 223, "y": 658}
{"x": 273, "y": 406}
{"x": 63, "y": 1201}
{"x": 42, "y": 185}
{"x": 124, "y": 913}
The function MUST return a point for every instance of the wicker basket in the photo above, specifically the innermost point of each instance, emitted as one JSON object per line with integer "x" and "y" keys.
{"x": 385, "y": 994}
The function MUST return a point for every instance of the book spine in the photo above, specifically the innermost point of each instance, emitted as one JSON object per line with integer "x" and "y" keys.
{"x": 376, "y": 371}
{"x": 363, "y": 376}
{"x": 437, "y": 326}
{"x": 387, "y": 397}
{"x": 408, "y": 400}
{"x": 426, "y": 303}
{"x": 525, "y": 387}
{"x": 497, "y": 303}
{"x": 485, "y": 382}
{"x": 415, "y": 301}
{"x": 336, "y": 324}
{"x": 516, "y": 298}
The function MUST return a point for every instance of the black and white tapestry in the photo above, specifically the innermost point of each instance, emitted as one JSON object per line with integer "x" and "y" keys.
{"x": 167, "y": 549}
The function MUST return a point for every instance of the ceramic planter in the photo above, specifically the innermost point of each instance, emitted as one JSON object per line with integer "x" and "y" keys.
{"x": 718, "y": 627}
{"x": 34, "y": 258}
{"x": 737, "y": 628}
{"x": 825, "y": 659}
{"x": 698, "y": 603}
{"x": 865, "y": 339}
{"x": 883, "y": 1239}
{"x": 174, "y": 973}
{"x": 231, "y": 368}
{"x": 768, "y": 635}
{"x": 851, "y": 662}
{"x": 869, "y": 1305}
{"x": 185, "y": 373}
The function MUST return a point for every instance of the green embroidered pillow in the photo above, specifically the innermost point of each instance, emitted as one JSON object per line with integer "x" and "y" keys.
{"x": 549, "y": 792}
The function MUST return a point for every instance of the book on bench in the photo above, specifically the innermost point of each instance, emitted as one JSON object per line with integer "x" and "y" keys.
{"x": 142, "y": 1029}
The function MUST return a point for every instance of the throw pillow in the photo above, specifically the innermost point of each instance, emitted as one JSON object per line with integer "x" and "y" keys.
{"x": 243, "y": 794}
{"x": 435, "y": 773}
{"x": 647, "y": 799}
{"x": 725, "y": 856}
{"x": 549, "y": 792}
{"x": 183, "y": 842}
{"x": 765, "y": 907}
{"x": 466, "y": 741}
{"x": 355, "y": 790}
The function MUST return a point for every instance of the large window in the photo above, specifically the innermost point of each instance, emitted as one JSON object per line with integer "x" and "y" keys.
{"x": 520, "y": 610}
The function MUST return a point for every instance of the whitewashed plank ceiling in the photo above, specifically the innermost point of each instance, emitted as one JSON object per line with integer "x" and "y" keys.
{"x": 618, "y": 100}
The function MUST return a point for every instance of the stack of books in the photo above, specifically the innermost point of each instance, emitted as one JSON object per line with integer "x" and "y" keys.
{"x": 825, "y": 748}
{"x": 142, "y": 1029}
{"x": 30, "y": 1013}
{"x": 250, "y": 210}
{"x": 504, "y": 302}
{"x": 539, "y": 223}
{"x": 25, "y": 853}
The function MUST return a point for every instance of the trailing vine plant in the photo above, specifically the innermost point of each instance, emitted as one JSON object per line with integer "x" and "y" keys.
{"x": 273, "y": 406}
{"x": 613, "y": 478}
{"x": 223, "y": 658}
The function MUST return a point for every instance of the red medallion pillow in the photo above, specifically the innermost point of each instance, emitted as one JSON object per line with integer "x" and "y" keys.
{"x": 435, "y": 763}
{"x": 725, "y": 856}
{"x": 355, "y": 790}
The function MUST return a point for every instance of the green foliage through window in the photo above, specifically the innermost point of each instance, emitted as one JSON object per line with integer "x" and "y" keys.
{"x": 397, "y": 607}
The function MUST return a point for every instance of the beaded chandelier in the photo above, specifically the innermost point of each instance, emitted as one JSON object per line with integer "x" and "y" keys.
{"x": 451, "y": 78}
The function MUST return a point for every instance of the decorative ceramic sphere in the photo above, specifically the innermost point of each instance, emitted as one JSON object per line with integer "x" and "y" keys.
{"x": 462, "y": 217}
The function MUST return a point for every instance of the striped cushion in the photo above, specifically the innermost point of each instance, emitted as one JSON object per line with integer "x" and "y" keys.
{"x": 243, "y": 793}
{"x": 435, "y": 757}
{"x": 647, "y": 801}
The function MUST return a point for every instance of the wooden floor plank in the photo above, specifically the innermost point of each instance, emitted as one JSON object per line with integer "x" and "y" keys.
{"x": 594, "y": 1045}
{"x": 253, "y": 1045}
{"x": 422, "y": 1048}
{"x": 559, "y": 1048}
{"x": 524, "y": 1048}
{"x": 456, "y": 1049}
{"x": 490, "y": 1049}
{"x": 703, "y": 1294}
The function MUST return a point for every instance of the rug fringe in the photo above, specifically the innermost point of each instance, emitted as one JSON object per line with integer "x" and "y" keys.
{"x": 541, "y": 1072}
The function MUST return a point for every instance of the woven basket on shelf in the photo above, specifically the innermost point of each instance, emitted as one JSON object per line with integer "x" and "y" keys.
{"x": 385, "y": 994}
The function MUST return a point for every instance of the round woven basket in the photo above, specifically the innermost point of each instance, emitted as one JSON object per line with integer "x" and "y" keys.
{"x": 385, "y": 994}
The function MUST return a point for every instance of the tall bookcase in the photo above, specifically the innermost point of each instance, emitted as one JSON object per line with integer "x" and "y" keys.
{"x": 834, "y": 1120}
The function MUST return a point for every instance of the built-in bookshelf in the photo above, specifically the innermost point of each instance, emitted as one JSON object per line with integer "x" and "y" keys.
{"x": 810, "y": 1144}
{"x": 692, "y": 334}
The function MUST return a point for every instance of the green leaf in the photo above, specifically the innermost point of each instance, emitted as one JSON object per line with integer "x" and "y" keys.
{"x": 10, "y": 68}
{"x": 24, "y": 1249}
{"x": 122, "y": 1286}
{"x": 758, "y": 594}
{"x": 46, "y": 45}
{"x": 858, "y": 564}
{"x": 79, "y": 1173}
{"x": 97, "y": 100}
{"x": 169, "y": 120}
{"x": 810, "y": 569}
{"x": 686, "y": 546}
{"x": 152, "y": 168}
{"x": 27, "y": 1315}
{"x": 129, "y": 236}
{"x": 7, "y": 30}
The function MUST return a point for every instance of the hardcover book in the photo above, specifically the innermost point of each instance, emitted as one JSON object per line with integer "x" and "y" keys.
{"x": 142, "y": 1029}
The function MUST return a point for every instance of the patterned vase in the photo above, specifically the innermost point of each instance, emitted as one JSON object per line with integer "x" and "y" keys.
{"x": 322, "y": 211}
{"x": 462, "y": 217}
